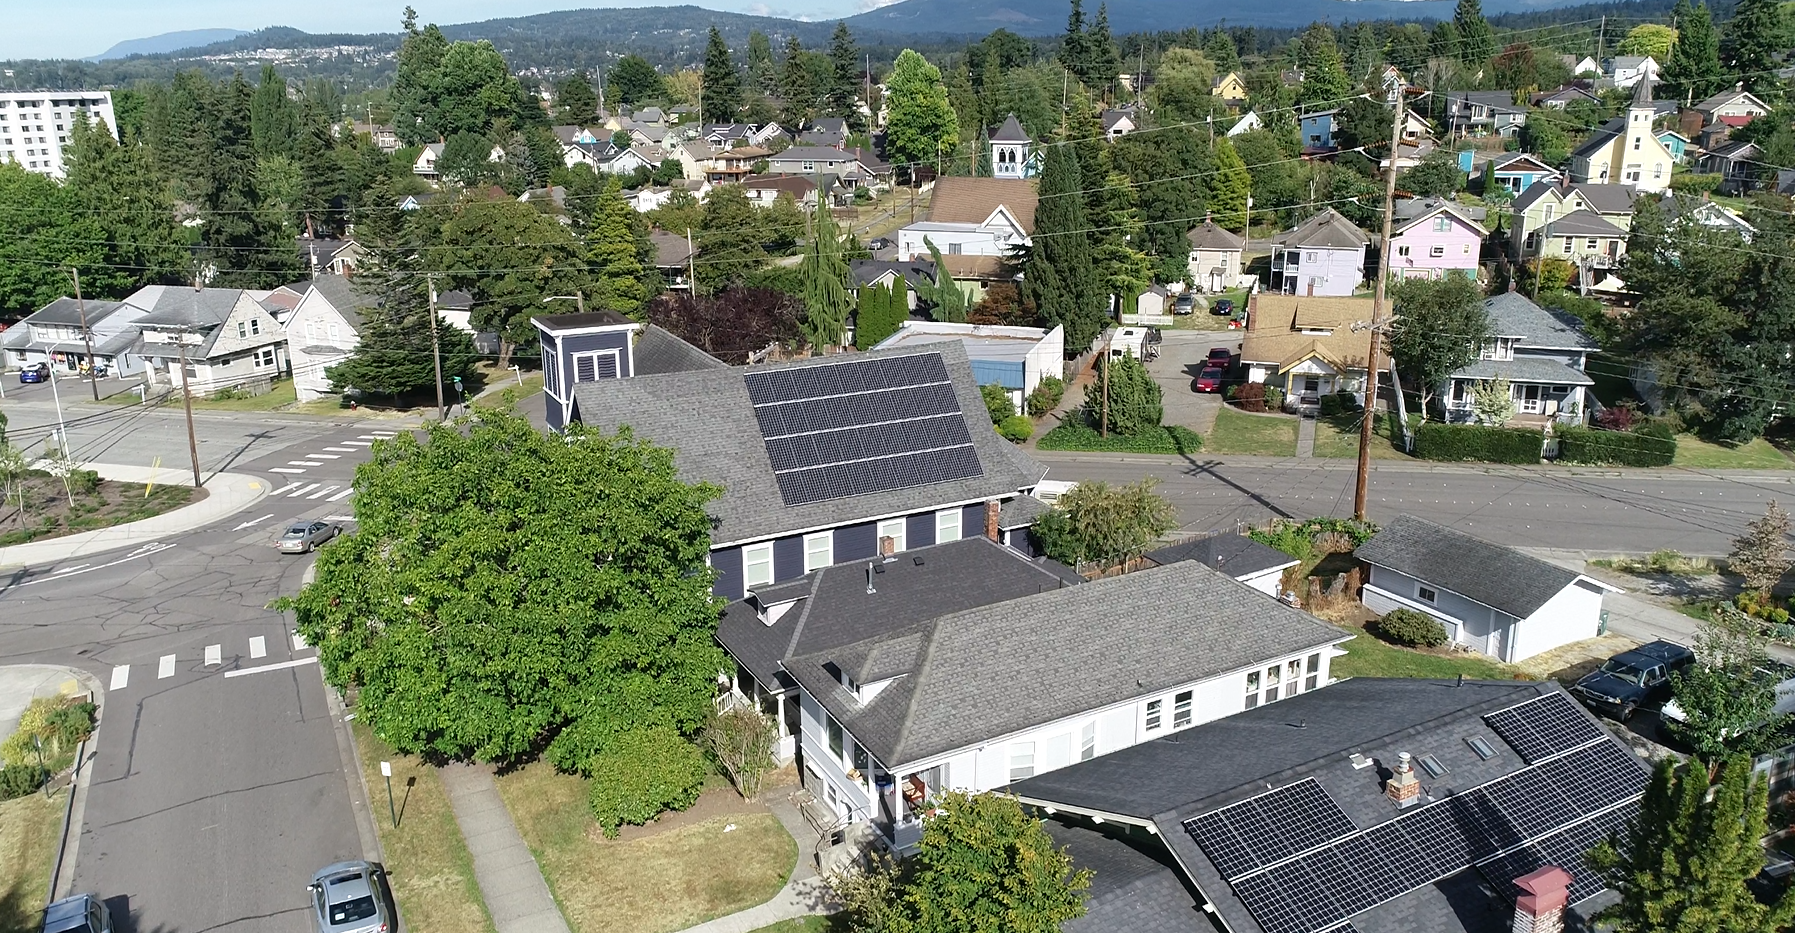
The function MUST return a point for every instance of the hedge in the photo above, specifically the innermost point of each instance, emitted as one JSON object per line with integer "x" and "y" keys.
{"x": 1624, "y": 448}
{"x": 1436, "y": 441}
{"x": 1409, "y": 628}
{"x": 1169, "y": 439}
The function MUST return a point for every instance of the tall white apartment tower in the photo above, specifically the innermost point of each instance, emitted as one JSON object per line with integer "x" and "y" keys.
{"x": 35, "y": 125}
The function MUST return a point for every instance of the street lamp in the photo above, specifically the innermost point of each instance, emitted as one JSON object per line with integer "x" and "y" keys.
{"x": 578, "y": 298}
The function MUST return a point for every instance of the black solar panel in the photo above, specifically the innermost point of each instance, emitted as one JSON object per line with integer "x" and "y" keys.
{"x": 1265, "y": 899}
{"x": 1544, "y": 727}
{"x": 841, "y": 480}
{"x": 1566, "y": 849}
{"x": 1269, "y": 828}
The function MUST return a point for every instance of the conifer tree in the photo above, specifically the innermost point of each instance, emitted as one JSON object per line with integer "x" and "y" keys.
{"x": 1476, "y": 40}
{"x": 1754, "y": 37}
{"x": 1230, "y": 185}
{"x": 1324, "y": 78}
{"x": 825, "y": 276}
{"x": 1693, "y": 71}
{"x": 575, "y": 101}
{"x": 1105, "y": 61}
{"x": 1219, "y": 48}
{"x": 614, "y": 251}
{"x": 1060, "y": 276}
{"x": 1075, "y": 48}
{"x": 845, "y": 91}
{"x": 950, "y": 305}
{"x": 796, "y": 86}
{"x": 722, "y": 83}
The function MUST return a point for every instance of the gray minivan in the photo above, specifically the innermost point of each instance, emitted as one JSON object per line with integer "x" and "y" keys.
{"x": 82, "y": 913}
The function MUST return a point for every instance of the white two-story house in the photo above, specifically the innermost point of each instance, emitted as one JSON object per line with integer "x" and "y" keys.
{"x": 228, "y": 338}
{"x": 1322, "y": 256}
{"x": 973, "y": 217}
{"x": 975, "y": 699}
{"x": 1542, "y": 354}
{"x": 323, "y": 331}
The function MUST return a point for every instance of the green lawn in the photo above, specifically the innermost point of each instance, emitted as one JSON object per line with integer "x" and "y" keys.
{"x": 29, "y": 827}
{"x": 508, "y": 394}
{"x": 811, "y": 924}
{"x": 1339, "y": 437}
{"x": 1368, "y": 657}
{"x": 280, "y": 395}
{"x": 1698, "y": 454}
{"x": 1238, "y": 432}
{"x": 427, "y": 862}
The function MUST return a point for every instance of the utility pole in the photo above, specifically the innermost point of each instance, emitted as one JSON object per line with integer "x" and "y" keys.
{"x": 1601, "y": 38}
{"x": 93, "y": 371}
{"x": 691, "y": 266}
{"x": 1108, "y": 348}
{"x": 436, "y": 347}
{"x": 1393, "y": 82}
{"x": 187, "y": 401}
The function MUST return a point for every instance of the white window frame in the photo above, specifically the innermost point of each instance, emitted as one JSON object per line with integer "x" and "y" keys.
{"x": 947, "y": 525}
{"x": 819, "y": 550}
{"x": 1426, "y": 594}
{"x": 255, "y": 325}
{"x": 751, "y": 558}
{"x": 1155, "y": 715}
{"x": 894, "y": 529}
{"x": 242, "y": 329}
{"x": 264, "y": 358}
{"x": 593, "y": 355}
{"x": 1022, "y": 760}
{"x": 1184, "y": 708}
{"x": 1087, "y": 741}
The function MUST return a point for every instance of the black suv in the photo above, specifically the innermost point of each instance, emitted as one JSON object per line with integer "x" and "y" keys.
{"x": 1633, "y": 679}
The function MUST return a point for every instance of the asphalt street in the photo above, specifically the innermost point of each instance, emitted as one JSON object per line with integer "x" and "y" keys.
{"x": 1590, "y": 510}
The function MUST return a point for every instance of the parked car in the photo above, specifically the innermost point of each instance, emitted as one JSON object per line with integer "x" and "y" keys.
{"x": 1220, "y": 356}
{"x": 1222, "y": 307}
{"x": 880, "y": 243}
{"x": 1183, "y": 304}
{"x": 1209, "y": 379}
{"x": 38, "y": 373}
{"x": 82, "y": 913}
{"x": 300, "y": 539}
{"x": 350, "y": 897}
{"x": 1633, "y": 679}
{"x": 1782, "y": 676}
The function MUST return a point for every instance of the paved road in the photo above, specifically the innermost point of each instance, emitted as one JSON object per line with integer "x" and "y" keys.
{"x": 1598, "y": 511}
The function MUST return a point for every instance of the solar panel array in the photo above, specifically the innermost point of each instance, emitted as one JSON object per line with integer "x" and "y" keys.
{"x": 1543, "y": 727}
{"x": 1536, "y": 816}
{"x": 862, "y": 426}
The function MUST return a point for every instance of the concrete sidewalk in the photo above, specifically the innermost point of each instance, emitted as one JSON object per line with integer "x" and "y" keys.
{"x": 510, "y": 880}
{"x": 20, "y": 684}
{"x": 226, "y": 493}
{"x": 804, "y": 893}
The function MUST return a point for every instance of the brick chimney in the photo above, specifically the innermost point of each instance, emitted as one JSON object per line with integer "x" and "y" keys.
{"x": 887, "y": 546}
{"x": 992, "y": 508}
{"x": 1544, "y": 893}
{"x": 1403, "y": 787}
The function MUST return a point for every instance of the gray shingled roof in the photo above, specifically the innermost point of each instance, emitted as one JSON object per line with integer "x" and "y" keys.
{"x": 1524, "y": 369}
{"x": 1010, "y": 132}
{"x": 67, "y": 312}
{"x": 1499, "y": 577}
{"x": 917, "y": 585}
{"x": 179, "y": 306}
{"x": 1582, "y": 223}
{"x": 707, "y": 419}
{"x": 995, "y": 670}
{"x": 1513, "y": 315}
{"x": 1021, "y": 512}
{"x": 1603, "y": 198}
{"x": 348, "y": 300}
{"x": 1134, "y": 884}
{"x": 1235, "y": 555}
{"x": 1326, "y": 230}
{"x": 660, "y": 351}
{"x": 1207, "y": 235}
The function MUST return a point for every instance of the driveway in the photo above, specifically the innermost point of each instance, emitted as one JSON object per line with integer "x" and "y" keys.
{"x": 1181, "y": 356}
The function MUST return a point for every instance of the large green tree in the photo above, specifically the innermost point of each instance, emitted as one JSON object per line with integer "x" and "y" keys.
{"x": 1059, "y": 275}
{"x": 1124, "y": 399}
{"x": 633, "y": 81}
{"x": 1476, "y": 40}
{"x": 731, "y": 238}
{"x": 575, "y": 102}
{"x": 722, "y": 81}
{"x": 1694, "y": 70}
{"x": 1108, "y": 524}
{"x": 1754, "y": 37}
{"x": 1181, "y": 91}
{"x": 920, "y": 125}
{"x": 246, "y": 239}
{"x": 1325, "y": 82}
{"x": 509, "y": 256}
{"x": 125, "y": 210}
{"x": 1685, "y": 862}
{"x": 616, "y": 244}
{"x": 1103, "y": 61}
{"x": 883, "y": 309}
{"x": 1728, "y": 698}
{"x": 825, "y": 274}
{"x": 505, "y": 591}
{"x": 843, "y": 90}
{"x": 1440, "y": 327}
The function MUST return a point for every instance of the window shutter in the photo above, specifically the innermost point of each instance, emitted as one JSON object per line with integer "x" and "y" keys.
{"x": 585, "y": 369}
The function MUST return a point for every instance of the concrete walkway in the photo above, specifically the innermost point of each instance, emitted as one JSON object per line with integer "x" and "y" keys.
{"x": 510, "y": 881}
{"x": 1305, "y": 438}
{"x": 804, "y": 893}
{"x": 226, "y": 493}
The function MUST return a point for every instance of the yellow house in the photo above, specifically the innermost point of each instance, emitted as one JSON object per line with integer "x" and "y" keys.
{"x": 1229, "y": 87}
{"x": 1626, "y": 150}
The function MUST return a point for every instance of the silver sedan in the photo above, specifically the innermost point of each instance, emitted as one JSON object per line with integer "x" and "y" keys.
{"x": 301, "y": 538}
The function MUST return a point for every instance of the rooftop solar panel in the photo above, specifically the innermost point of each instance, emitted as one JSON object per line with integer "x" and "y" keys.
{"x": 1547, "y": 726}
{"x": 1270, "y": 827}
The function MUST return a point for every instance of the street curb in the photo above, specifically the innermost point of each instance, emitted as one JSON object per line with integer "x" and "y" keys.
{"x": 75, "y": 809}
{"x": 187, "y": 518}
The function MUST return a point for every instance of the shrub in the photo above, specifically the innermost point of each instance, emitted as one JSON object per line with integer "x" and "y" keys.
{"x": 1251, "y": 396}
{"x": 1338, "y": 403}
{"x": 1168, "y": 439}
{"x": 58, "y": 722}
{"x": 1435, "y": 441}
{"x": 1657, "y": 427}
{"x": 19, "y": 780}
{"x": 1409, "y": 628}
{"x": 997, "y": 402}
{"x": 1016, "y": 428}
{"x": 1274, "y": 398}
{"x": 1760, "y": 606}
{"x": 1583, "y": 445}
{"x": 1305, "y": 539}
{"x": 642, "y": 773}
{"x": 1694, "y": 183}
{"x": 83, "y": 482}
{"x": 1618, "y": 418}
{"x": 1046, "y": 396}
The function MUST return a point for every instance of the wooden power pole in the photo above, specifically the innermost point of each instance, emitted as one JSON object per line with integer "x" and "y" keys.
{"x": 1394, "y": 83}
{"x": 93, "y": 370}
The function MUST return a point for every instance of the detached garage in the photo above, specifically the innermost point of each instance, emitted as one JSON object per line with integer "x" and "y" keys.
{"x": 1490, "y": 598}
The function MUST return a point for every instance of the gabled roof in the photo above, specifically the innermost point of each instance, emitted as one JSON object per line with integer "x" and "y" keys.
{"x": 1501, "y": 578}
{"x": 709, "y": 421}
{"x": 795, "y": 185}
{"x": 1732, "y": 95}
{"x": 1495, "y": 100}
{"x": 343, "y": 296}
{"x": 1511, "y": 314}
{"x": 1512, "y": 162}
{"x": 1735, "y": 151}
{"x": 1010, "y": 132}
{"x": 914, "y": 273}
{"x": 1326, "y": 230}
{"x": 1113, "y": 117}
{"x": 181, "y": 306}
{"x": 1704, "y": 211}
{"x": 1208, "y": 236}
{"x": 835, "y": 608}
{"x": 812, "y": 154}
{"x": 1603, "y": 198}
{"x": 1582, "y": 223}
{"x": 1427, "y": 211}
{"x": 1235, "y": 555}
{"x": 1134, "y": 883}
{"x": 67, "y": 312}
{"x": 973, "y": 676}
{"x": 670, "y": 249}
{"x": 1276, "y": 323}
{"x": 660, "y": 351}
{"x": 974, "y": 200}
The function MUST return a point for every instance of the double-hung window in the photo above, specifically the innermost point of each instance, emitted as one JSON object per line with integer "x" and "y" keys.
{"x": 819, "y": 550}
{"x": 947, "y": 525}
{"x": 757, "y": 565}
{"x": 893, "y": 528}
{"x": 1022, "y": 760}
{"x": 1087, "y": 742}
{"x": 1155, "y": 709}
{"x": 1181, "y": 709}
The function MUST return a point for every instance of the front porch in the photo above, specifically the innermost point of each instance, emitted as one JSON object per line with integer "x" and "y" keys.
{"x": 1313, "y": 375}
{"x": 1536, "y": 404}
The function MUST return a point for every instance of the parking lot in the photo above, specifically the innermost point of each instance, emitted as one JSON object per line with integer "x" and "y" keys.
{"x": 1181, "y": 356}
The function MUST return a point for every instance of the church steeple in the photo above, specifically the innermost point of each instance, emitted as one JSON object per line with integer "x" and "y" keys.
{"x": 1010, "y": 150}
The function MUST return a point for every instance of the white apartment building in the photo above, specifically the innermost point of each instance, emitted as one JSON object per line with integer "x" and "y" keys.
{"x": 35, "y": 125}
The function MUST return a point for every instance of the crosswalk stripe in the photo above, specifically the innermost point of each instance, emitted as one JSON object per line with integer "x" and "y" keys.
{"x": 299, "y": 642}
{"x": 342, "y": 450}
{"x": 284, "y": 470}
{"x": 121, "y": 675}
{"x": 258, "y": 647}
{"x": 320, "y": 492}
{"x": 304, "y": 463}
{"x": 325, "y": 456}
{"x": 300, "y": 492}
{"x": 214, "y": 655}
{"x": 346, "y": 492}
{"x": 385, "y": 434}
{"x": 283, "y": 489}
{"x": 166, "y": 667}
{"x": 360, "y": 443}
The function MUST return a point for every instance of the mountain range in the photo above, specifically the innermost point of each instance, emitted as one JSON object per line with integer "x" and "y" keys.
{"x": 1048, "y": 17}
{"x": 167, "y": 42}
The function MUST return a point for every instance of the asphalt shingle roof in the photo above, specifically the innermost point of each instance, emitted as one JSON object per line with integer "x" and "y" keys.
{"x": 1134, "y": 884}
{"x": 708, "y": 421}
{"x": 1499, "y": 577}
{"x": 1511, "y": 314}
{"x": 1603, "y": 198}
{"x": 348, "y": 300}
{"x": 971, "y": 200}
{"x": 1235, "y": 555}
{"x": 67, "y": 312}
{"x": 1582, "y": 223}
{"x": 1010, "y": 132}
{"x": 1209, "y": 236}
{"x": 1326, "y": 230}
{"x": 1524, "y": 369}
{"x": 995, "y": 670}
{"x": 659, "y": 351}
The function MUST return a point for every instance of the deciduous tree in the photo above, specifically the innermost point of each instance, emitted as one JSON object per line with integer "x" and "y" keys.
{"x": 1096, "y": 522}
{"x": 1761, "y": 554}
{"x": 633, "y": 81}
{"x": 920, "y": 124}
{"x": 1440, "y": 326}
{"x": 1728, "y": 695}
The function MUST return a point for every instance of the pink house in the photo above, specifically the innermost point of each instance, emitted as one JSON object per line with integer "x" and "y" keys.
{"x": 1437, "y": 239}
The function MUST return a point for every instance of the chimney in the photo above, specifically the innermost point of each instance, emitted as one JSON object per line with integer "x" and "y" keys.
{"x": 1403, "y": 788}
{"x": 1540, "y": 907}
{"x": 887, "y": 546}
{"x": 991, "y": 511}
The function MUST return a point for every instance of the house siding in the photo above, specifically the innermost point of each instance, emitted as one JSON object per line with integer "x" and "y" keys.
{"x": 1332, "y": 272}
{"x": 1467, "y": 622}
{"x": 788, "y": 558}
{"x": 310, "y": 379}
{"x": 1459, "y": 247}
{"x": 919, "y": 530}
{"x": 856, "y": 542}
{"x": 559, "y": 401}
{"x": 618, "y": 340}
{"x": 727, "y": 563}
{"x": 1573, "y": 615}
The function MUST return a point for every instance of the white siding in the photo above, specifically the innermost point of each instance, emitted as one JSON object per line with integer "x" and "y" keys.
{"x": 318, "y": 337}
{"x": 1573, "y": 615}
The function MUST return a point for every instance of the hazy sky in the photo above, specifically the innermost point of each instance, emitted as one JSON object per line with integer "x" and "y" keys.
{"x": 80, "y": 28}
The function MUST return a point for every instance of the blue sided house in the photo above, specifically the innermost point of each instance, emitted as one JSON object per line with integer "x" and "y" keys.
{"x": 821, "y": 461}
{"x": 1317, "y": 130}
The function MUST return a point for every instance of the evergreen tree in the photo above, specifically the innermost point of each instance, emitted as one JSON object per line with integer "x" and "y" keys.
{"x": 128, "y": 212}
{"x": 1754, "y": 36}
{"x": 796, "y": 87}
{"x": 1122, "y": 268}
{"x": 825, "y": 275}
{"x": 632, "y": 81}
{"x": 1075, "y": 48}
{"x": 1406, "y": 48}
{"x": 1104, "y": 60}
{"x": 1325, "y": 83}
{"x": 1135, "y": 401}
{"x": 763, "y": 75}
{"x": 415, "y": 81}
{"x": 920, "y": 126}
{"x": 1444, "y": 41}
{"x": 575, "y": 102}
{"x": 1059, "y": 275}
{"x": 947, "y": 299}
{"x": 844, "y": 91}
{"x": 1693, "y": 71}
{"x": 1218, "y": 47}
{"x": 1363, "y": 52}
{"x": 1230, "y": 185}
{"x": 1477, "y": 41}
{"x": 731, "y": 237}
{"x": 883, "y": 309}
{"x": 614, "y": 249}
{"x": 273, "y": 119}
{"x": 722, "y": 83}
{"x": 1685, "y": 861}
{"x": 246, "y": 245}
